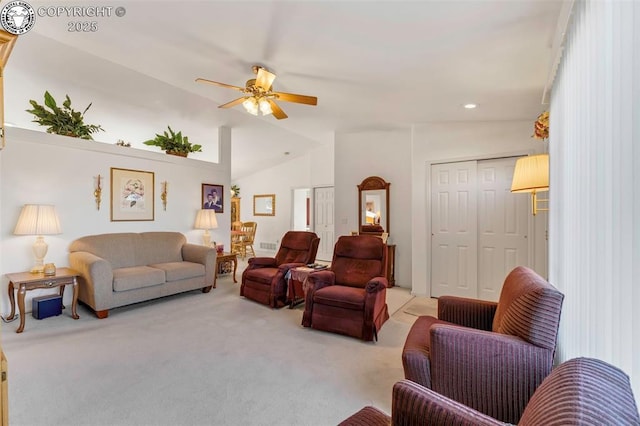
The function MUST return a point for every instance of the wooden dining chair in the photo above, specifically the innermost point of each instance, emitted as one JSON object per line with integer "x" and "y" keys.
{"x": 245, "y": 239}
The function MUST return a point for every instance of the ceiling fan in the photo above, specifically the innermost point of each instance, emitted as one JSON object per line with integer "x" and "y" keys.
{"x": 259, "y": 96}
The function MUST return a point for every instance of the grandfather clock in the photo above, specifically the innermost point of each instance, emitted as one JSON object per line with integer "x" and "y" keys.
{"x": 7, "y": 41}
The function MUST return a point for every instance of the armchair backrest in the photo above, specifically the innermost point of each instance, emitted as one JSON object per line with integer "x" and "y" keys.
{"x": 529, "y": 307}
{"x": 583, "y": 391}
{"x": 357, "y": 259}
{"x": 298, "y": 247}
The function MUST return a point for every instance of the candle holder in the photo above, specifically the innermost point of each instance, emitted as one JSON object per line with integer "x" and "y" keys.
{"x": 163, "y": 194}
{"x": 97, "y": 193}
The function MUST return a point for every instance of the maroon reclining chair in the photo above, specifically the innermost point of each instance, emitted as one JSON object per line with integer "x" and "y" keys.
{"x": 350, "y": 297}
{"x": 488, "y": 356}
{"x": 264, "y": 279}
{"x": 581, "y": 391}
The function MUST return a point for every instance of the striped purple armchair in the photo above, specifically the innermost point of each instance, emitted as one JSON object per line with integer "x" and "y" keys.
{"x": 488, "y": 356}
{"x": 582, "y": 391}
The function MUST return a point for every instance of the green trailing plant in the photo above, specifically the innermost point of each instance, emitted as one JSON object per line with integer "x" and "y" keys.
{"x": 62, "y": 120}
{"x": 235, "y": 189}
{"x": 174, "y": 143}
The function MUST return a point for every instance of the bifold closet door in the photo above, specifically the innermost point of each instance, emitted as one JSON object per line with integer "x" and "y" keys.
{"x": 503, "y": 221}
{"x": 454, "y": 232}
{"x": 479, "y": 228}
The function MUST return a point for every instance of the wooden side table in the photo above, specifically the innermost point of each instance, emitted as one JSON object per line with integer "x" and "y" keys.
{"x": 297, "y": 290}
{"x": 226, "y": 257}
{"x": 26, "y": 281}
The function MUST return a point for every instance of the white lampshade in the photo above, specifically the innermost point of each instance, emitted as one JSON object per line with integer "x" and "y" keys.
{"x": 38, "y": 219}
{"x": 206, "y": 219}
{"x": 531, "y": 174}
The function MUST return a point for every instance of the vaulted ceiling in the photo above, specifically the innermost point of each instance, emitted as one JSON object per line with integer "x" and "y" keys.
{"x": 372, "y": 64}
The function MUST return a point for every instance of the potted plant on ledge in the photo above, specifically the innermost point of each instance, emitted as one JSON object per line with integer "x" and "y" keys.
{"x": 62, "y": 121}
{"x": 174, "y": 143}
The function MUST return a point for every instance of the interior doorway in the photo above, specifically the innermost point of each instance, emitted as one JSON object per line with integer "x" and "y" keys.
{"x": 313, "y": 210}
{"x": 301, "y": 215}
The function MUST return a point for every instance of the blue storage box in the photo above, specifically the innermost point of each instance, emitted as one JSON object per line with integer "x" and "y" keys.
{"x": 46, "y": 306}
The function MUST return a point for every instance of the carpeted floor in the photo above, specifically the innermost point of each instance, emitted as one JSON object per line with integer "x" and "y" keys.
{"x": 199, "y": 359}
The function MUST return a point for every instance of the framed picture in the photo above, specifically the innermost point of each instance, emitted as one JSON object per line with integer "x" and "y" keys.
{"x": 264, "y": 205}
{"x": 213, "y": 197}
{"x": 131, "y": 195}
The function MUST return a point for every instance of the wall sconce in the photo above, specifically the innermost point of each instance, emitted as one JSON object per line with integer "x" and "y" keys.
{"x": 38, "y": 220}
{"x": 206, "y": 219}
{"x": 163, "y": 194}
{"x": 97, "y": 193}
{"x": 531, "y": 174}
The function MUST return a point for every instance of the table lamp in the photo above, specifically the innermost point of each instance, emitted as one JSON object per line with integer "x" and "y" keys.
{"x": 39, "y": 220}
{"x": 206, "y": 219}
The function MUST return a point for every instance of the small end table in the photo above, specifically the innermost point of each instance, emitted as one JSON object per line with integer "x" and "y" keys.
{"x": 26, "y": 281}
{"x": 297, "y": 289}
{"x": 226, "y": 257}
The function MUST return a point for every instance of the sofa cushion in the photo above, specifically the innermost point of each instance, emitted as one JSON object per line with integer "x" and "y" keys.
{"x": 118, "y": 249}
{"x": 341, "y": 297}
{"x": 137, "y": 277}
{"x": 261, "y": 275}
{"x": 159, "y": 247}
{"x": 175, "y": 271}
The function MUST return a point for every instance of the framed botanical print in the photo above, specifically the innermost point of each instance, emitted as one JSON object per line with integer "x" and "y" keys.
{"x": 131, "y": 195}
{"x": 213, "y": 197}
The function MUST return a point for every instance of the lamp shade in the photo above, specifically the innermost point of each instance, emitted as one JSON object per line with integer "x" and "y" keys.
{"x": 206, "y": 219}
{"x": 531, "y": 174}
{"x": 38, "y": 219}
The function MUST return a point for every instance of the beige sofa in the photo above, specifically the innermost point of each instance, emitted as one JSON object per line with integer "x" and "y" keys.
{"x": 124, "y": 268}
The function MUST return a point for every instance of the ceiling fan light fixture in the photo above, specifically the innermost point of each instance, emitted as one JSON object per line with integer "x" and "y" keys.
{"x": 265, "y": 106}
{"x": 251, "y": 105}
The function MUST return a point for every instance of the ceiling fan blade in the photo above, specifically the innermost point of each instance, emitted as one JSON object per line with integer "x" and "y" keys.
{"x": 276, "y": 110}
{"x": 264, "y": 79}
{"x": 232, "y": 103}
{"x": 300, "y": 99}
{"x": 215, "y": 83}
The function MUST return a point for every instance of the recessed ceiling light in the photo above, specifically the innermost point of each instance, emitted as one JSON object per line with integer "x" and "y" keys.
{"x": 470, "y": 106}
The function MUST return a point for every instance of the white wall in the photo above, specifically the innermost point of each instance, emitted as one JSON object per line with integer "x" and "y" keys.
{"x": 438, "y": 142}
{"x": 386, "y": 154}
{"x": 594, "y": 228}
{"x": 312, "y": 169}
{"x": 40, "y": 168}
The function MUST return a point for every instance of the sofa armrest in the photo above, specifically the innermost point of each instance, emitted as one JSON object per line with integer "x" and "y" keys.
{"x": 286, "y": 266}
{"x": 414, "y": 404}
{"x": 261, "y": 262}
{"x": 492, "y": 372}
{"x": 96, "y": 276}
{"x": 467, "y": 312}
{"x": 204, "y": 255}
{"x": 315, "y": 281}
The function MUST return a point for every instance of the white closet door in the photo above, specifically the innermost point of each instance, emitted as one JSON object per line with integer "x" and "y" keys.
{"x": 454, "y": 240}
{"x": 502, "y": 226}
{"x": 323, "y": 202}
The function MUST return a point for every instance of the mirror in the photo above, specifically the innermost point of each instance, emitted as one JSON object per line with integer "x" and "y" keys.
{"x": 373, "y": 206}
{"x": 264, "y": 205}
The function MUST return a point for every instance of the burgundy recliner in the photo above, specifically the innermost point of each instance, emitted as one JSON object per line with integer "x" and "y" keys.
{"x": 264, "y": 279}
{"x": 350, "y": 297}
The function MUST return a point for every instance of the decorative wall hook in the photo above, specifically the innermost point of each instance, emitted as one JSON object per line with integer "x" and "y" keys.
{"x": 97, "y": 193}
{"x": 163, "y": 194}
